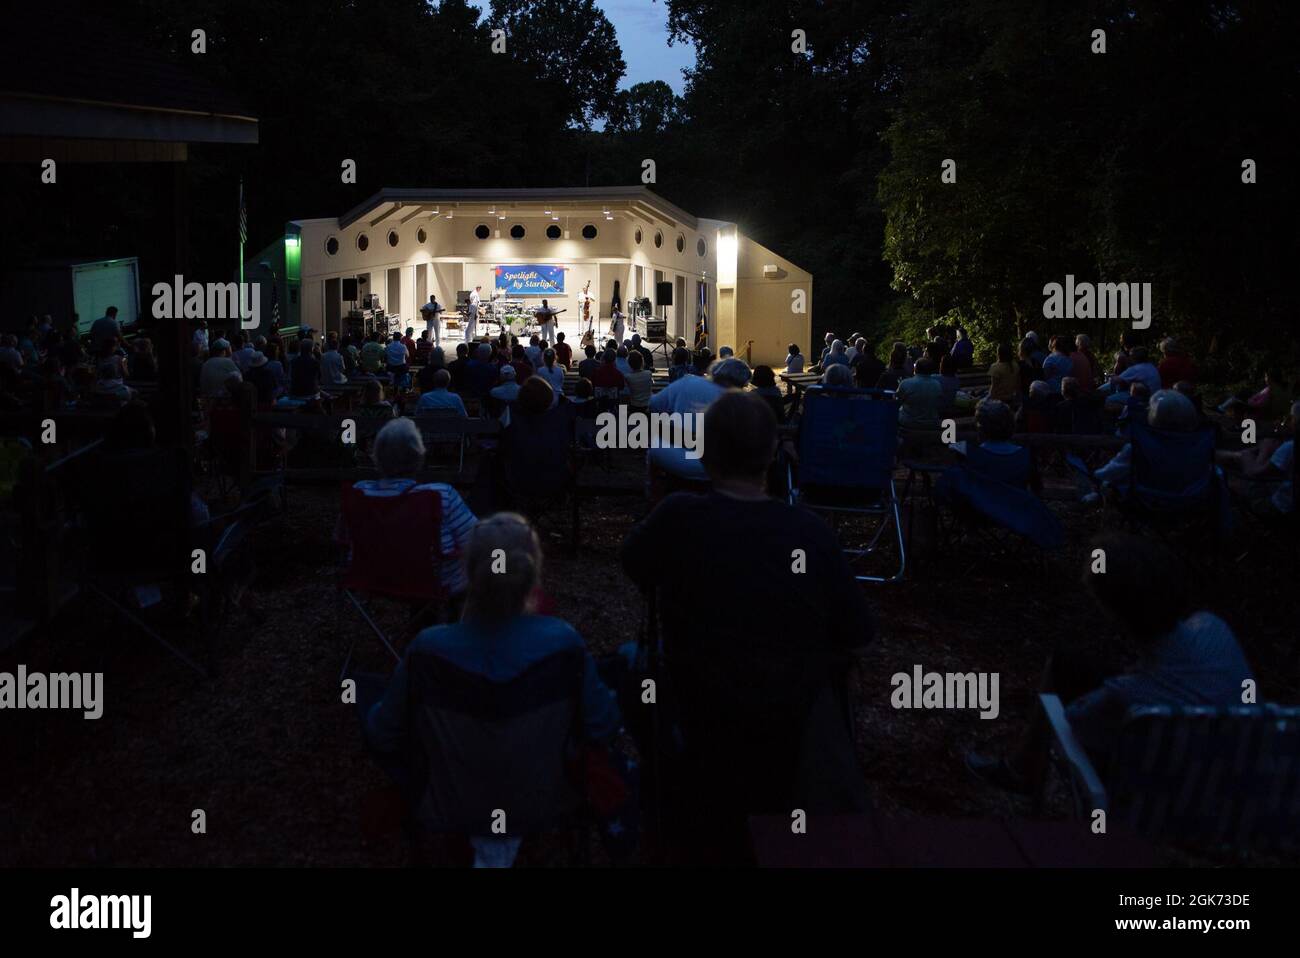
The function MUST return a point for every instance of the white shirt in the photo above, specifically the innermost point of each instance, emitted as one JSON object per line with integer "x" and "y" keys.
{"x": 688, "y": 394}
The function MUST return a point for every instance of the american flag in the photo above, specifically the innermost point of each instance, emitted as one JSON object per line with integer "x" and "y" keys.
{"x": 243, "y": 215}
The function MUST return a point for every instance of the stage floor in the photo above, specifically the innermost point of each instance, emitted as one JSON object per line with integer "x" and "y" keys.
{"x": 572, "y": 329}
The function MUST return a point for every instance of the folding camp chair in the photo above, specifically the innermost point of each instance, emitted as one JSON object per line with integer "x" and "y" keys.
{"x": 479, "y": 747}
{"x": 1208, "y": 776}
{"x": 444, "y": 427}
{"x": 989, "y": 497}
{"x": 848, "y": 441}
{"x": 537, "y": 466}
{"x": 395, "y": 552}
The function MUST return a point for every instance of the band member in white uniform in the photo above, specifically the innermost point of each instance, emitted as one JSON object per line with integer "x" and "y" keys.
{"x": 546, "y": 318}
{"x": 432, "y": 313}
{"x": 471, "y": 314}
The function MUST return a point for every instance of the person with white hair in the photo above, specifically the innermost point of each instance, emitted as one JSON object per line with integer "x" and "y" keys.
{"x": 838, "y": 375}
{"x": 829, "y": 340}
{"x": 498, "y": 641}
{"x": 690, "y": 395}
{"x": 553, "y": 373}
{"x": 399, "y": 455}
{"x": 1167, "y": 409}
{"x": 836, "y": 356}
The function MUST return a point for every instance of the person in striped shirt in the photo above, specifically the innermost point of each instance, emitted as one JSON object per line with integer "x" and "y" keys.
{"x": 399, "y": 454}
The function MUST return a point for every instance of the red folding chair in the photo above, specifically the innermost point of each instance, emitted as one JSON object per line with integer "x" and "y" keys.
{"x": 395, "y": 552}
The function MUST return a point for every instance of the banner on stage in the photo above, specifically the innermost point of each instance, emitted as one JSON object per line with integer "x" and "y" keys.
{"x": 530, "y": 280}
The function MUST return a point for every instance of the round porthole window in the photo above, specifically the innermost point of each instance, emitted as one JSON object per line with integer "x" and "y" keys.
{"x": 363, "y": 242}
{"x": 589, "y": 232}
{"x": 700, "y": 247}
{"x": 553, "y": 232}
{"x": 517, "y": 232}
{"x": 332, "y": 246}
{"x": 392, "y": 238}
{"x": 681, "y": 242}
{"x": 637, "y": 236}
{"x": 659, "y": 239}
{"x": 482, "y": 232}
{"x": 421, "y": 235}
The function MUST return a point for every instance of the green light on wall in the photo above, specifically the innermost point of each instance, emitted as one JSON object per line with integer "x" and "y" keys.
{"x": 293, "y": 258}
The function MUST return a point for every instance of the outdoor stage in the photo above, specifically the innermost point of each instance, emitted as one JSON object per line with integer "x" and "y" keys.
{"x": 572, "y": 329}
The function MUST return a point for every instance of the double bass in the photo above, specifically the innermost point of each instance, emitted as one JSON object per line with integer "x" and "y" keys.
{"x": 588, "y": 336}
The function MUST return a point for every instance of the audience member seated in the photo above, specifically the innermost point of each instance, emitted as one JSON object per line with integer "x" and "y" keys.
{"x": 218, "y": 368}
{"x": 836, "y": 355}
{"x": 607, "y": 376}
{"x": 439, "y": 397}
{"x": 1077, "y": 414}
{"x": 1182, "y": 654}
{"x": 275, "y": 367}
{"x": 552, "y": 372}
{"x": 142, "y": 363}
{"x": 688, "y": 396}
{"x": 480, "y": 372}
{"x": 639, "y": 382}
{"x": 1175, "y": 365}
{"x": 458, "y": 366}
{"x": 1138, "y": 369}
{"x": 765, "y": 387}
{"x": 921, "y": 396}
{"x": 1083, "y": 350}
{"x": 373, "y": 403}
{"x": 1059, "y": 364}
{"x": 396, "y": 358}
{"x": 963, "y": 350}
{"x": 867, "y": 369}
{"x": 1270, "y": 459}
{"x": 109, "y": 387}
{"x": 262, "y": 379}
{"x": 794, "y": 359}
{"x": 899, "y": 368}
{"x": 373, "y": 354}
{"x": 1035, "y": 413}
{"x": 760, "y": 687}
{"x": 399, "y": 455}
{"x": 304, "y": 371}
{"x": 1168, "y": 410}
{"x": 1004, "y": 377}
{"x": 243, "y": 351}
{"x": 589, "y": 365}
{"x": 839, "y": 375}
{"x": 498, "y": 640}
{"x": 333, "y": 367}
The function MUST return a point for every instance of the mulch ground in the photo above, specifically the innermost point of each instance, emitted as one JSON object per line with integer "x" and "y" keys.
{"x": 272, "y": 756}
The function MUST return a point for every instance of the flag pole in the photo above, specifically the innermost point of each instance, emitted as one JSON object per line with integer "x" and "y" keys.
{"x": 241, "y": 251}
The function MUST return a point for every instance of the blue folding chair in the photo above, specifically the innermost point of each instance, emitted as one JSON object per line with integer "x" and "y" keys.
{"x": 1172, "y": 472}
{"x": 848, "y": 441}
{"x": 1015, "y": 469}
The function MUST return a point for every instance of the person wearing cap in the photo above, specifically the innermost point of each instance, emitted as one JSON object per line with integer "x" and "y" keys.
{"x": 218, "y": 368}
{"x": 507, "y": 389}
{"x": 690, "y": 395}
{"x": 829, "y": 339}
{"x": 761, "y": 684}
{"x": 261, "y": 377}
{"x": 1175, "y": 366}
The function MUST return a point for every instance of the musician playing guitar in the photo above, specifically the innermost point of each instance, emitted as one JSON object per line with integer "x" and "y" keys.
{"x": 546, "y": 319}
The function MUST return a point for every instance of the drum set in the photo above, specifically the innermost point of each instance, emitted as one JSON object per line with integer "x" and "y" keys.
{"x": 511, "y": 315}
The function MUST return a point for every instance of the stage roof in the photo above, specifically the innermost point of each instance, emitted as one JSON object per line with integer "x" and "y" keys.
{"x": 404, "y": 204}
